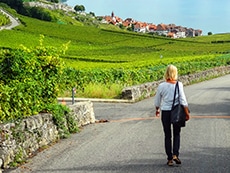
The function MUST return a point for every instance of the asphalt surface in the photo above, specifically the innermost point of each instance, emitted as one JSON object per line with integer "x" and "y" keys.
{"x": 14, "y": 21}
{"x": 133, "y": 142}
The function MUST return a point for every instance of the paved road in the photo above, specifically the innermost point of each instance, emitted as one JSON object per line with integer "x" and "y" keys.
{"x": 132, "y": 142}
{"x": 14, "y": 21}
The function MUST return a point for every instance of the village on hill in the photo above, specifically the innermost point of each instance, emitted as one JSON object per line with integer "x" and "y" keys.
{"x": 170, "y": 30}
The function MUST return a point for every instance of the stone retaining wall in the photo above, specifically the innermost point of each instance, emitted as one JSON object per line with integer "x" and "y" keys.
{"x": 146, "y": 90}
{"x": 20, "y": 140}
{"x": 83, "y": 113}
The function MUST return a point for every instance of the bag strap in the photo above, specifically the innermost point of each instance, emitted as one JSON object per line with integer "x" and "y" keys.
{"x": 176, "y": 89}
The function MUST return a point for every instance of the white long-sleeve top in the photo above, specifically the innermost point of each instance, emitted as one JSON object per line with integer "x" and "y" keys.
{"x": 165, "y": 93}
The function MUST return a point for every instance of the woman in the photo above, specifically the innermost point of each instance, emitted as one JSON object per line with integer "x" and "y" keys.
{"x": 163, "y": 101}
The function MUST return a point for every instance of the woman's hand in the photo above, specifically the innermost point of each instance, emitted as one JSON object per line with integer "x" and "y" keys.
{"x": 187, "y": 113}
{"x": 157, "y": 112}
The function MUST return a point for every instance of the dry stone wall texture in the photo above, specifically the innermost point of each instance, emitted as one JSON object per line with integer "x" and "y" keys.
{"x": 145, "y": 90}
{"x": 20, "y": 140}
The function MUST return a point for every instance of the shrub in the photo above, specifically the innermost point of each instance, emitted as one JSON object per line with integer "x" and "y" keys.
{"x": 15, "y": 4}
{"x": 29, "y": 80}
{"x": 40, "y": 13}
{"x": 63, "y": 119}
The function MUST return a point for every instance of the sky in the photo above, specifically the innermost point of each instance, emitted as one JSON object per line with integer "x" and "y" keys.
{"x": 207, "y": 15}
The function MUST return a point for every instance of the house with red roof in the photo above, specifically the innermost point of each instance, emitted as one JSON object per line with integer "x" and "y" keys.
{"x": 140, "y": 27}
{"x": 151, "y": 28}
{"x": 170, "y": 30}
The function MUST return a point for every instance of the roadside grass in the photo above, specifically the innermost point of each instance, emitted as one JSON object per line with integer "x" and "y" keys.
{"x": 101, "y": 91}
{"x": 97, "y": 90}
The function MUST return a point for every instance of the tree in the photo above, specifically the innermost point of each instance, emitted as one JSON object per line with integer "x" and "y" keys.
{"x": 54, "y": 1}
{"x": 92, "y": 13}
{"x": 79, "y": 8}
{"x": 121, "y": 26}
{"x": 40, "y": 13}
{"x": 209, "y": 33}
{"x": 15, "y": 4}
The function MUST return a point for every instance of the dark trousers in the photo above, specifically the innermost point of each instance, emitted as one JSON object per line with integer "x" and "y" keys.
{"x": 169, "y": 148}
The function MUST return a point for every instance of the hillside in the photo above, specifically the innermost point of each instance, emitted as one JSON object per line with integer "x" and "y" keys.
{"x": 107, "y": 54}
{"x": 97, "y": 44}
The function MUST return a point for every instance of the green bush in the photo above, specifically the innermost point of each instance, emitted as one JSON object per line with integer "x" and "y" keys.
{"x": 29, "y": 80}
{"x": 15, "y": 4}
{"x": 40, "y": 13}
{"x": 63, "y": 119}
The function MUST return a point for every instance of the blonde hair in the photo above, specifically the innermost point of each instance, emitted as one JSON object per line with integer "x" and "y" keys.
{"x": 171, "y": 73}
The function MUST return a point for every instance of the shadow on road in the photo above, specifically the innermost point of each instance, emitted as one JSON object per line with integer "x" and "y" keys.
{"x": 221, "y": 108}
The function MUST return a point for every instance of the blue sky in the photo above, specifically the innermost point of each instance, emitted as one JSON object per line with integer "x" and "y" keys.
{"x": 207, "y": 15}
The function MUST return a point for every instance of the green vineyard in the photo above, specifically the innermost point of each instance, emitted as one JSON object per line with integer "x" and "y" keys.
{"x": 101, "y": 58}
{"x": 4, "y": 20}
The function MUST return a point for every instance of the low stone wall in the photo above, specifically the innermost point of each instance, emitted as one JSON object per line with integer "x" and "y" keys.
{"x": 20, "y": 140}
{"x": 146, "y": 90}
{"x": 83, "y": 113}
